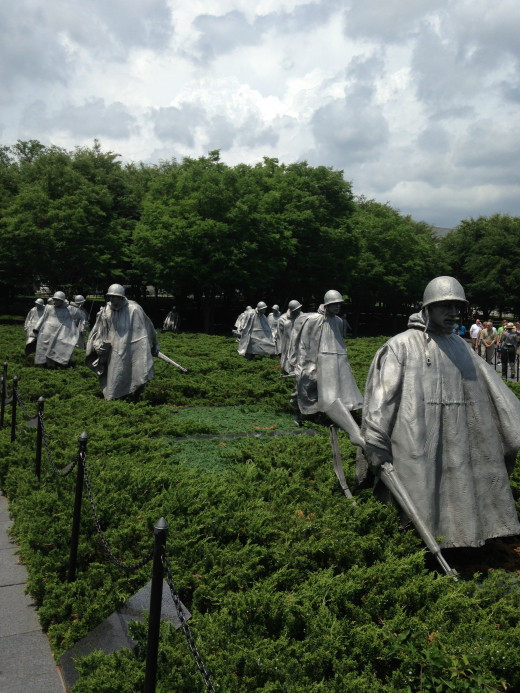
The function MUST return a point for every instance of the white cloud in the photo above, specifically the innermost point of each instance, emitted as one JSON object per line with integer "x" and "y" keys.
{"x": 417, "y": 102}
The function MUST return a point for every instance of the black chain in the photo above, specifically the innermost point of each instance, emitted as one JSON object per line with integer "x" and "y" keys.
{"x": 19, "y": 400}
{"x": 108, "y": 551}
{"x": 185, "y": 627}
{"x": 66, "y": 470}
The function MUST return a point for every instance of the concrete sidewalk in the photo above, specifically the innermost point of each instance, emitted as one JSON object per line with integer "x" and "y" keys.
{"x": 26, "y": 661}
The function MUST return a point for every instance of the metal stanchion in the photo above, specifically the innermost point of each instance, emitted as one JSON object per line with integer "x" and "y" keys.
{"x": 154, "y": 621}
{"x": 39, "y": 437}
{"x": 77, "y": 508}
{"x": 13, "y": 409}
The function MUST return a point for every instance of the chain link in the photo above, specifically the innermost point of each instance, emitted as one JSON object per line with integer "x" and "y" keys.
{"x": 19, "y": 400}
{"x": 58, "y": 472}
{"x": 185, "y": 627}
{"x": 116, "y": 561}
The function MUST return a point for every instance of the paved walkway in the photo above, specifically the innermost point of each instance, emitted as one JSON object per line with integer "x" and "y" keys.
{"x": 26, "y": 661}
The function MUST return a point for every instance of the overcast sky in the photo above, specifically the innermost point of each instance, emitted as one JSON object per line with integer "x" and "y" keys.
{"x": 417, "y": 101}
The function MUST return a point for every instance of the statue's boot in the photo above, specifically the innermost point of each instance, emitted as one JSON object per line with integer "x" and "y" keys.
{"x": 341, "y": 416}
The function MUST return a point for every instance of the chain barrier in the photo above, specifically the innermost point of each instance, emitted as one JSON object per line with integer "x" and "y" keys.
{"x": 185, "y": 627}
{"x": 20, "y": 402}
{"x": 108, "y": 551}
{"x": 58, "y": 472}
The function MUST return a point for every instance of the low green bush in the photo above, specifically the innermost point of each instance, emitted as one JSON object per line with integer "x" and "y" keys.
{"x": 291, "y": 586}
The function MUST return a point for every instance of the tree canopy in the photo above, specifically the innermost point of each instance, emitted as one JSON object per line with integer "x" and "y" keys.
{"x": 80, "y": 220}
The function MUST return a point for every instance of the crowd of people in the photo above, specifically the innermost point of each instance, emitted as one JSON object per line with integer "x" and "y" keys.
{"x": 502, "y": 343}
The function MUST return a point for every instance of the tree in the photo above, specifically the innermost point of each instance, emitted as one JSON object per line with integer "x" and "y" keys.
{"x": 70, "y": 222}
{"x": 398, "y": 256}
{"x": 484, "y": 254}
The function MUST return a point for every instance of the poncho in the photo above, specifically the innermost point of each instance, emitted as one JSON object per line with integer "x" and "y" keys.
{"x": 31, "y": 320}
{"x": 256, "y": 337}
{"x": 319, "y": 358}
{"x": 285, "y": 328}
{"x": 58, "y": 332}
{"x": 119, "y": 349}
{"x": 451, "y": 427}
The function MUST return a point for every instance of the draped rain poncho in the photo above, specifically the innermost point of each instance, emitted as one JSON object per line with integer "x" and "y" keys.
{"x": 58, "y": 333}
{"x": 119, "y": 349}
{"x": 256, "y": 337}
{"x": 451, "y": 427}
{"x": 319, "y": 358}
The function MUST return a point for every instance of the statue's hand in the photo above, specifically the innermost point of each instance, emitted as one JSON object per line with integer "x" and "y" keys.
{"x": 376, "y": 457}
{"x": 155, "y": 350}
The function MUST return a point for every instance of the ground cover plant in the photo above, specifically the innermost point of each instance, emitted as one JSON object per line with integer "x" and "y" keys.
{"x": 291, "y": 587}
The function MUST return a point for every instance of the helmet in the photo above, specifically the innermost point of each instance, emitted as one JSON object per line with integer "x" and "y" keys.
{"x": 294, "y": 305}
{"x": 443, "y": 289}
{"x": 276, "y": 307}
{"x": 79, "y": 299}
{"x": 332, "y": 296}
{"x": 39, "y": 302}
{"x": 59, "y": 296}
{"x": 261, "y": 305}
{"x": 115, "y": 290}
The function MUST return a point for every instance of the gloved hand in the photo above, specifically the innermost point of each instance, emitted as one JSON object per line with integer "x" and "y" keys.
{"x": 376, "y": 457}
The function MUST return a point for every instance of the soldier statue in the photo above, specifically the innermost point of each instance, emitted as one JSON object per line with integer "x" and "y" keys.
{"x": 256, "y": 336}
{"x": 446, "y": 422}
{"x": 318, "y": 358}
{"x": 78, "y": 303}
{"x": 121, "y": 346}
{"x": 30, "y": 323}
{"x": 285, "y": 326}
{"x": 57, "y": 332}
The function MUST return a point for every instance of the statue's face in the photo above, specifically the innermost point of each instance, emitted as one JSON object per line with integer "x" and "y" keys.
{"x": 333, "y": 308}
{"x": 116, "y": 302}
{"x": 57, "y": 302}
{"x": 296, "y": 312}
{"x": 443, "y": 315}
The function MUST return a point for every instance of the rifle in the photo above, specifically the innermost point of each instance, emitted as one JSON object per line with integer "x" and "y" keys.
{"x": 167, "y": 359}
{"x": 285, "y": 377}
{"x": 393, "y": 483}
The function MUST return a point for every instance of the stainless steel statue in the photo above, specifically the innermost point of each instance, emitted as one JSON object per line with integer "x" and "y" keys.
{"x": 446, "y": 422}
{"x": 256, "y": 336}
{"x": 273, "y": 319}
{"x": 57, "y": 332}
{"x": 285, "y": 327}
{"x": 78, "y": 303}
{"x": 121, "y": 346}
{"x": 318, "y": 358}
{"x": 172, "y": 321}
{"x": 240, "y": 322}
{"x": 32, "y": 318}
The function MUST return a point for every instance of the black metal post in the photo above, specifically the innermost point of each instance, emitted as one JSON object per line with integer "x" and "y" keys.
{"x": 13, "y": 409}
{"x": 77, "y": 508}
{"x": 39, "y": 438}
{"x": 4, "y": 395}
{"x": 154, "y": 620}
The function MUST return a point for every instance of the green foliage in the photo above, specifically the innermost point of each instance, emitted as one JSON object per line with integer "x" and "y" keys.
{"x": 397, "y": 257}
{"x": 484, "y": 254}
{"x": 291, "y": 587}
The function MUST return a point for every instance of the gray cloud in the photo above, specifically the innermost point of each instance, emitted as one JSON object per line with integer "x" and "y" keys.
{"x": 390, "y": 21}
{"x": 182, "y": 124}
{"x": 29, "y": 51}
{"x": 91, "y": 119}
{"x": 223, "y": 33}
{"x": 178, "y": 124}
